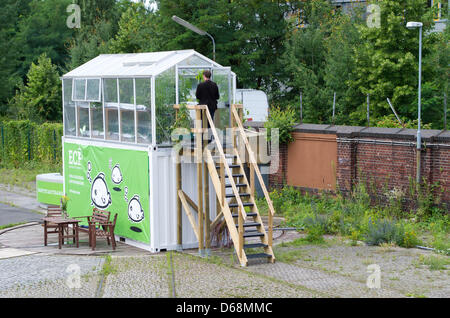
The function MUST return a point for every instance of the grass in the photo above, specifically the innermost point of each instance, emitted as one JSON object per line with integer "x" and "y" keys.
{"x": 434, "y": 262}
{"x": 2, "y": 227}
{"x": 26, "y": 175}
{"x": 355, "y": 218}
{"x": 108, "y": 268}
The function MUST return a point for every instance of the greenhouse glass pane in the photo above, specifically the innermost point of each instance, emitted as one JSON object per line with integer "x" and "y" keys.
{"x": 188, "y": 79}
{"x": 143, "y": 109}
{"x": 127, "y": 118}
{"x": 194, "y": 60}
{"x": 112, "y": 123}
{"x": 83, "y": 119}
{"x": 144, "y": 119}
{"x": 126, "y": 93}
{"x": 220, "y": 77}
{"x": 143, "y": 92}
{"x": 93, "y": 90}
{"x": 80, "y": 89}
{"x": 164, "y": 101}
{"x": 110, "y": 87}
{"x": 97, "y": 120}
{"x": 69, "y": 110}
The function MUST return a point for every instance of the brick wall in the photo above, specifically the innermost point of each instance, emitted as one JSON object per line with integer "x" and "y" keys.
{"x": 383, "y": 158}
{"x": 278, "y": 179}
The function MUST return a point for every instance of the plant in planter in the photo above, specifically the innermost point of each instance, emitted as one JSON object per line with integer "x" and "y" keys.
{"x": 64, "y": 201}
{"x": 182, "y": 125}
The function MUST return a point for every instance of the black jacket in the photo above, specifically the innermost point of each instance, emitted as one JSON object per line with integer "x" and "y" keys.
{"x": 208, "y": 94}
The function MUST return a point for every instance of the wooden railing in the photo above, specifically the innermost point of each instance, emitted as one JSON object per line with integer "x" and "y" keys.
{"x": 202, "y": 116}
{"x": 254, "y": 169}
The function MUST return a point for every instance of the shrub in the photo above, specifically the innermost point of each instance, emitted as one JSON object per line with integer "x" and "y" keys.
{"x": 384, "y": 231}
{"x": 314, "y": 234}
{"x": 283, "y": 121}
{"x": 318, "y": 222}
{"x": 23, "y": 142}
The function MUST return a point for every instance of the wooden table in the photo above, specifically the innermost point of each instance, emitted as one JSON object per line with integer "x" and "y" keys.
{"x": 63, "y": 229}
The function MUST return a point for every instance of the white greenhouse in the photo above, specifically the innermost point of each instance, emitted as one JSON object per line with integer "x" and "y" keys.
{"x": 118, "y": 113}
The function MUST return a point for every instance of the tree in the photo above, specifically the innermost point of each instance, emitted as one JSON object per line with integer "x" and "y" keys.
{"x": 43, "y": 30}
{"x": 304, "y": 63}
{"x": 40, "y": 99}
{"x": 249, "y": 35}
{"x": 138, "y": 31}
{"x": 386, "y": 63}
{"x": 99, "y": 24}
{"x": 10, "y": 77}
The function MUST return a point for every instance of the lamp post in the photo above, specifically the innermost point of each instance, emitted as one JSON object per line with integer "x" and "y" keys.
{"x": 192, "y": 27}
{"x": 414, "y": 25}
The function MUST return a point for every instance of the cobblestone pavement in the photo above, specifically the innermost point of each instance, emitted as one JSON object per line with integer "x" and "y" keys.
{"x": 334, "y": 269}
{"x": 195, "y": 277}
{"x": 402, "y": 272}
{"x": 47, "y": 276}
{"x": 138, "y": 277}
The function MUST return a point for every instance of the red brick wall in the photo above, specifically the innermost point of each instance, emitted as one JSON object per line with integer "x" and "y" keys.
{"x": 383, "y": 163}
{"x": 278, "y": 179}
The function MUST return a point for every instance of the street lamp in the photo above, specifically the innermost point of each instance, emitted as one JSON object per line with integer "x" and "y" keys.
{"x": 414, "y": 25}
{"x": 191, "y": 27}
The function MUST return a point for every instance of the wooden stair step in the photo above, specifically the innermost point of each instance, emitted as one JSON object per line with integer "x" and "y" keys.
{"x": 255, "y": 245}
{"x": 238, "y": 175}
{"x": 248, "y": 214}
{"x": 231, "y": 195}
{"x": 237, "y": 185}
{"x": 250, "y": 224}
{"x": 231, "y": 166}
{"x": 258, "y": 255}
{"x": 253, "y": 234}
{"x": 235, "y": 205}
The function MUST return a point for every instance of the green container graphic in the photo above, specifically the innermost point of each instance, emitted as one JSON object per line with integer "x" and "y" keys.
{"x": 111, "y": 179}
{"x": 49, "y": 188}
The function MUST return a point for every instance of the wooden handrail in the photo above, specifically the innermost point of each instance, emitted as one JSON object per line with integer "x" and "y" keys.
{"x": 252, "y": 159}
{"x": 241, "y": 209}
{"x": 236, "y": 234}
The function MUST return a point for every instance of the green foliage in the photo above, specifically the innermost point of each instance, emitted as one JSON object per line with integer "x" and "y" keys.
{"x": 390, "y": 121}
{"x": 354, "y": 217}
{"x": 283, "y": 120}
{"x": 137, "y": 31}
{"x": 10, "y": 76}
{"x": 434, "y": 262}
{"x": 386, "y": 62}
{"x": 182, "y": 124}
{"x": 43, "y": 30}
{"x": 165, "y": 99}
{"x": 314, "y": 234}
{"x": 23, "y": 141}
{"x": 40, "y": 99}
{"x": 383, "y": 231}
{"x": 99, "y": 27}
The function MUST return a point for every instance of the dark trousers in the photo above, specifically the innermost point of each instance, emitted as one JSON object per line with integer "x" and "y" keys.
{"x": 212, "y": 112}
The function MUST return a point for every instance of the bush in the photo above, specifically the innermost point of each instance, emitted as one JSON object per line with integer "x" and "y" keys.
{"x": 23, "y": 141}
{"x": 283, "y": 121}
{"x": 315, "y": 234}
{"x": 384, "y": 231}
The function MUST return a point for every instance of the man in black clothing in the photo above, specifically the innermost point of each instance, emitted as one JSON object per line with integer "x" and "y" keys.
{"x": 208, "y": 93}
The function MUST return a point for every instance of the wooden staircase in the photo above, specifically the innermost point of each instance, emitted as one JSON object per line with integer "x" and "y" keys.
{"x": 237, "y": 208}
